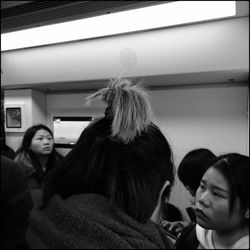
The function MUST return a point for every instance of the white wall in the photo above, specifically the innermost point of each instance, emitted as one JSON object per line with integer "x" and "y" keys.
{"x": 34, "y": 111}
{"x": 190, "y": 117}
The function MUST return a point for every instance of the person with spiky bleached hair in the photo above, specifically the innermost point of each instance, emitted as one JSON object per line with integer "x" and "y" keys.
{"x": 108, "y": 191}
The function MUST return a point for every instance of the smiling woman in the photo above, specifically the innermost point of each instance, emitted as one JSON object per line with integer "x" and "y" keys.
{"x": 222, "y": 204}
{"x": 37, "y": 157}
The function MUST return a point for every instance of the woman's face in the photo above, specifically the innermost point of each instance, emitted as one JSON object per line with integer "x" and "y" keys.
{"x": 42, "y": 142}
{"x": 212, "y": 203}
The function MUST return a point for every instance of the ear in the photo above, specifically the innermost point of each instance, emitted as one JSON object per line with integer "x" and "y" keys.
{"x": 166, "y": 184}
{"x": 156, "y": 216}
{"x": 247, "y": 214}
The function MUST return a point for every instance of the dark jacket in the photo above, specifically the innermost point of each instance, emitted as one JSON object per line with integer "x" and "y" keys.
{"x": 8, "y": 152}
{"x": 16, "y": 204}
{"x": 35, "y": 175}
{"x": 91, "y": 221}
{"x": 188, "y": 238}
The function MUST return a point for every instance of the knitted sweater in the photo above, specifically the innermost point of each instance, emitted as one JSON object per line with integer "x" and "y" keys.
{"x": 90, "y": 221}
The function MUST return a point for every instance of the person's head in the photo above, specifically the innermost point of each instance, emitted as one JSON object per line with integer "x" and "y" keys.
{"x": 193, "y": 166}
{"x": 122, "y": 156}
{"x": 222, "y": 199}
{"x": 38, "y": 139}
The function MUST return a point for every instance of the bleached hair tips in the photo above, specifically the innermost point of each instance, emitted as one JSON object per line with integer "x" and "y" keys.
{"x": 129, "y": 106}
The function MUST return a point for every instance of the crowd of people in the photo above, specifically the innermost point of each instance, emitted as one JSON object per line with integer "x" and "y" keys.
{"x": 112, "y": 189}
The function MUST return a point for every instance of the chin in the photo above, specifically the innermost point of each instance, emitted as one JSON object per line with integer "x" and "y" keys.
{"x": 203, "y": 224}
{"x": 46, "y": 153}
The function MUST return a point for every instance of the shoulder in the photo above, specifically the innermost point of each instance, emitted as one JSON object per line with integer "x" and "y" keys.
{"x": 243, "y": 243}
{"x": 13, "y": 180}
{"x": 204, "y": 236}
{"x": 25, "y": 163}
{"x": 8, "y": 152}
{"x": 11, "y": 169}
{"x": 58, "y": 156}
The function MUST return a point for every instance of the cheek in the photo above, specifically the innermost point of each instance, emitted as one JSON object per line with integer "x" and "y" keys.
{"x": 35, "y": 146}
{"x": 221, "y": 210}
{"x": 219, "y": 213}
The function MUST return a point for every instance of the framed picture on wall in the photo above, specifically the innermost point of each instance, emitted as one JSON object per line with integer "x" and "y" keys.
{"x": 13, "y": 117}
{"x": 16, "y": 119}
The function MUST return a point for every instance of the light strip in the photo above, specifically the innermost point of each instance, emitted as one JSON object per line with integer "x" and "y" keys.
{"x": 162, "y": 15}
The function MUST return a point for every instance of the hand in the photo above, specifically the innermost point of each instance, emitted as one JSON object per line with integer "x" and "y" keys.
{"x": 175, "y": 227}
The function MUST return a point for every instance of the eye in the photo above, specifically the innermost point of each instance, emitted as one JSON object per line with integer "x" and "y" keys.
{"x": 218, "y": 195}
{"x": 202, "y": 186}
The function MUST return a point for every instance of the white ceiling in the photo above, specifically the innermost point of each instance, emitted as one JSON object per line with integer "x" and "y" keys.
{"x": 18, "y": 74}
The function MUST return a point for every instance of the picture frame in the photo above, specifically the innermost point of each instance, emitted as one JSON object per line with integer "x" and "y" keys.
{"x": 13, "y": 117}
{"x": 16, "y": 119}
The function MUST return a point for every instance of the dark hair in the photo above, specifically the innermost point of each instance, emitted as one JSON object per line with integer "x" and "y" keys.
{"x": 26, "y": 142}
{"x": 235, "y": 168}
{"x": 3, "y": 139}
{"x": 130, "y": 173}
{"x": 193, "y": 166}
{"x": 5, "y": 149}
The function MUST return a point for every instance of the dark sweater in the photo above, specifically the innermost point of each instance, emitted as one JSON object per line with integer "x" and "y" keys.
{"x": 90, "y": 221}
{"x": 16, "y": 204}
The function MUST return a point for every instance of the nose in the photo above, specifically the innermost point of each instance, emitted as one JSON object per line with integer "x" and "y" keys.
{"x": 192, "y": 201}
{"x": 46, "y": 141}
{"x": 203, "y": 199}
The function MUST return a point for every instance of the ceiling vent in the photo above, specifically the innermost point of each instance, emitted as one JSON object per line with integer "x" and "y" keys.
{"x": 31, "y": 14}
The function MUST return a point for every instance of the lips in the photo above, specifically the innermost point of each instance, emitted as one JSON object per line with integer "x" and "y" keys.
{"x": 200, "y": 213}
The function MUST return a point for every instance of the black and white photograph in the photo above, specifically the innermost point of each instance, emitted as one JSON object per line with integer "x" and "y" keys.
{"x": 13, "y": 118}
{"x": 125, "y": 124}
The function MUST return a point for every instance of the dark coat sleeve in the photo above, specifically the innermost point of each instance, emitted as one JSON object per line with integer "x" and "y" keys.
{"x": 188, "y": 238}
{"x": 16, "y": 204}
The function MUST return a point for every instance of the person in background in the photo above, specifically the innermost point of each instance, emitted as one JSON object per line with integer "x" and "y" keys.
{"x": 222, "y": 204}
{"x": 5, "y": 149}
{"x": 16, "y": 203}
{"x": 190, "y": 171}
{"x": 108, "y": 191}
{"x": 37, "y": 156}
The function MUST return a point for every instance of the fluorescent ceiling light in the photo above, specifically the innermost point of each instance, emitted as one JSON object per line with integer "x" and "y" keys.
{"x": 157, "y": 16}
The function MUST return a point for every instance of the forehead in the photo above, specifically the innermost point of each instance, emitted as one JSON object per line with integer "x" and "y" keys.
{"x": 42, "y": 132}
{"x": 214, "y": 177}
